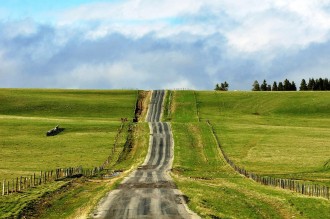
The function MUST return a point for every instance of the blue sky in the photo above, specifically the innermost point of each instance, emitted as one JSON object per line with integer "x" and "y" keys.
{"x": 149, "y": 44}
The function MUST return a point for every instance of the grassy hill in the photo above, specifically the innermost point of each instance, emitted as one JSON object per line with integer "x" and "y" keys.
{"x": 281, "y": 134}
{"x": 91, "y": 120}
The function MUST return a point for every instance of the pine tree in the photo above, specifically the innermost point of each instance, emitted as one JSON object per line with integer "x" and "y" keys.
{"x": 263, "y": 86}
{"x": 321, "y": 87}
{"x": 311, "y": 84}
{"x": 269, "y": 87}
{"x": 303, "y": 85}
{"x": 326, "y": 84}
{"x": 256, "y": 86}
{"x": 287, "y": 85}
{"x": 274, "y": 88}
{"x": 293, "y": 86}
{"x": 217, "y": 87}
{"x": 280, "y": 86}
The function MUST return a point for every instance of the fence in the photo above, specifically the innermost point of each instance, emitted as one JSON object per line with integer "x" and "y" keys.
{"x": 197, "y": 110}
{"x": 26, "y": 182}
{"x": 304, "y": 188}
{"x": 120, "y": 130}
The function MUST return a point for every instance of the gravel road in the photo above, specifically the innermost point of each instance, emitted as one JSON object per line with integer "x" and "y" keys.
{"x": 149, "y": 191}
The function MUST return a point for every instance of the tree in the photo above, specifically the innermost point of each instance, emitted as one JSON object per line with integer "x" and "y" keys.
{"x": 274, "y": 88}
{"x": 293, "y": 86}
{"x": 263, "y": 86}
{"x": 222, "y": 87}
{"x": 269, "y": 87}
{"x": 280, "y": 86}
{"x": 321, "y": 85}
{"x": 311, "y": 84}
{"x": 287, "y": 85}
{"x": 303, "y": 85}
{"x": 256, "y": 86}
{"x": 326, "y": 84}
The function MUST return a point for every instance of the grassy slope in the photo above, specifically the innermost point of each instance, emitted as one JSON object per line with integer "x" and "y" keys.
{"x": 284, "y": 134}
{"x": 90, "y": 118}
{"x": 82, "y": 197}
{"x": 214, "y": 189}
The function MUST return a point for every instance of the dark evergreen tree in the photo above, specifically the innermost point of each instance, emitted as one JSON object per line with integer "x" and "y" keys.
{"x": 263, "y": 86}
{"x": 326, "y": 84}
{"x": 287, "y": 85}
{"x": 280, "y": 86}
{"x": 303, "y": 85}
{"x": 274, "y": 88}
{"x": 311, "y": 84}
{"x": 320, "y": 87}
{"x": 293, "y": 86}
{"x": 217, "y": 87}
{"x": 317, "y": 84}
{"x": 269, "y": 87}
{"x": 256, "y": 86}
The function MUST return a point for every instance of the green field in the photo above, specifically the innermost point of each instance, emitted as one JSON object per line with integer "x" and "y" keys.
{"x": 282, "y": 134}
{"x": 91, "y": 120}
{"x": 262, "y": 132}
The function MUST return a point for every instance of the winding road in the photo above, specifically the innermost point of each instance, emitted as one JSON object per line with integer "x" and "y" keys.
{"x": 149, "y": 191}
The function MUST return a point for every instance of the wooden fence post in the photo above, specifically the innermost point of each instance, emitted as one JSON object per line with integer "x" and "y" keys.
{"x": 3, "y": 187}
{"x": 8, "y": 187}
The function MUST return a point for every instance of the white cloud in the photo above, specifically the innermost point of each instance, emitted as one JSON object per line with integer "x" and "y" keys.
{"x": 248, "y": 26}
{"x": 129, "y": 11}
{"x": 158, "y": 44}
{"x": 281, "y": 25}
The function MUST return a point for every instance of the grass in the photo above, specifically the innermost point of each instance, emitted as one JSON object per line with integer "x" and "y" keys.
{"x": 184, "y": 106}
{"x": 80, "y": 199}
{"x": 91, "y": 120}
{"x": 213, "y": 188}
{"x": 11, "y": 206}
{"x": 281, "y": 134}
{"x": 92, "y": 104}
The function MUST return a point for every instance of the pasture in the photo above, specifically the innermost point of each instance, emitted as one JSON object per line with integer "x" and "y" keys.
{"x": 214, "y": 188}
{"x": 283, "y": 134}
{"x": 91, "y": 120}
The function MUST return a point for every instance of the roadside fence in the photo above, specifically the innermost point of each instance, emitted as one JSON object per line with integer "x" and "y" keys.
{"x": 26, "y": 182}
{"x": 302, "y": 187}
{"x": 120, "y": 130}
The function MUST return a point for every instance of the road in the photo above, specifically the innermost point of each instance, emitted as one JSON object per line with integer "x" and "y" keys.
{"x": 149, "y": 191}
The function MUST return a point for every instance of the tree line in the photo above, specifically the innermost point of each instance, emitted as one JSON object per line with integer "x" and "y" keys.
{"x": 312, "y": 85}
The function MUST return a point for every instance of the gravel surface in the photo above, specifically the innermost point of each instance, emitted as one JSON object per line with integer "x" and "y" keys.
{"x": 149, "y": 191}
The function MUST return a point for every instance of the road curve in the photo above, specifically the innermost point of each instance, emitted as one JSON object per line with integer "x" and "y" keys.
{"x": 149, "y": 191}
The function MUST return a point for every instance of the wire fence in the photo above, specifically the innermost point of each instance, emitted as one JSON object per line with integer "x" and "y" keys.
{"x": 22, "y": 183}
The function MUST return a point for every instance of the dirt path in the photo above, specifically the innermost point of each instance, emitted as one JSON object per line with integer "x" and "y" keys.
{"x": 149, "y": 191}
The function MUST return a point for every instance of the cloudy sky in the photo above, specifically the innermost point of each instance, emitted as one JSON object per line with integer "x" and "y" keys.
{"x": 150, "y": 44}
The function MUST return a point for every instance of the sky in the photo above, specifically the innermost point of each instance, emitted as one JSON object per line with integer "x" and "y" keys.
{"x": 163, "y": 44}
